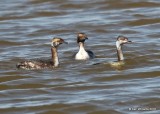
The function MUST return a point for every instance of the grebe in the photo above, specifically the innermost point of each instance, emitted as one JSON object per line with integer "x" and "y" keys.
{"x": 42, "y": 64}
{"x": 82, "y": 53}
{"x": 119, "y": 43}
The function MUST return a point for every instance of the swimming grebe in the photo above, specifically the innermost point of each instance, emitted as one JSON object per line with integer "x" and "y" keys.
{"x": 119, "y": 43}
{"x": 42, "y": 64}
{"x": 82, "y": 53}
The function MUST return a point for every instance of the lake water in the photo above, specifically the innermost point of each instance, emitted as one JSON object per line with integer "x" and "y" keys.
{"x": 79, "y": 87}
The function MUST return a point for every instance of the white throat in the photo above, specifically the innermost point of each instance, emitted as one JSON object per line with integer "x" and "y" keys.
{"x": 118, "y": 45}
{"x": 55, "y": 57}
{"x": 82, "y": 54}
{"x": 119, "y": 51}
{"x": 56, "y": 61}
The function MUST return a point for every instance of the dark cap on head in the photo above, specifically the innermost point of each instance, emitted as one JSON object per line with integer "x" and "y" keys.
{"x": 81, "y": 37}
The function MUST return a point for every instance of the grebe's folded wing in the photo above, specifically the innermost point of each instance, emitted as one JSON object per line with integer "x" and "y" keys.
{"x": 35, "y": 64}
{"x": 91, "y": 54}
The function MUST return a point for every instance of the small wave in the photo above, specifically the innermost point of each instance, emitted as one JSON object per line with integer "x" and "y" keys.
{"x": 141, "y": 22}
{"x": 126, "y": 5}
{"x": 9, "y": 43}
{"x": 48, "y": 13}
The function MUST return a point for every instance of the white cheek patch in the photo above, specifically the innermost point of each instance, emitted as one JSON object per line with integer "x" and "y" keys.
{"x": 118, "y": 44}
{"x": 56, "y": 43}
{"x": 53, "y": 44}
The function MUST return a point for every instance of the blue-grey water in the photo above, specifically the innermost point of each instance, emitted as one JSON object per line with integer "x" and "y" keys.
{"x": 79, "y": 87}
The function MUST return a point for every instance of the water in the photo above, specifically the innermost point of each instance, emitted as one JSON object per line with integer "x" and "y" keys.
{"x": 79, "y": 87}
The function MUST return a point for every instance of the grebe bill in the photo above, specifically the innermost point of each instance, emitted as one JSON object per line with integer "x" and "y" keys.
{"x": 41, "y": 63}
{"x": 82, "y": 53}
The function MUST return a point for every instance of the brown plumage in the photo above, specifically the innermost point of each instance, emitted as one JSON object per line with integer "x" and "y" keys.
{"x": 42, "y": 63}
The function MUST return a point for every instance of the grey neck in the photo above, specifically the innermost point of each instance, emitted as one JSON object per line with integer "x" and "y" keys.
{"x": 55, "y": 59}
{"x": 119, "y": 51}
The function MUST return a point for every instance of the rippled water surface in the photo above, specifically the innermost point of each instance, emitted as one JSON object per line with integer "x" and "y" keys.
{"x": 79, "y": 87}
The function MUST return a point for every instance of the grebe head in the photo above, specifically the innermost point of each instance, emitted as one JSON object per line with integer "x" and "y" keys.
{"x": 57, "y": 41}
{"x": 122, "y": 40}
{"x": 81, "y": 37}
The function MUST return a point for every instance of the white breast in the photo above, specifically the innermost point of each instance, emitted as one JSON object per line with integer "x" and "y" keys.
{"x": 82, "y": 54}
